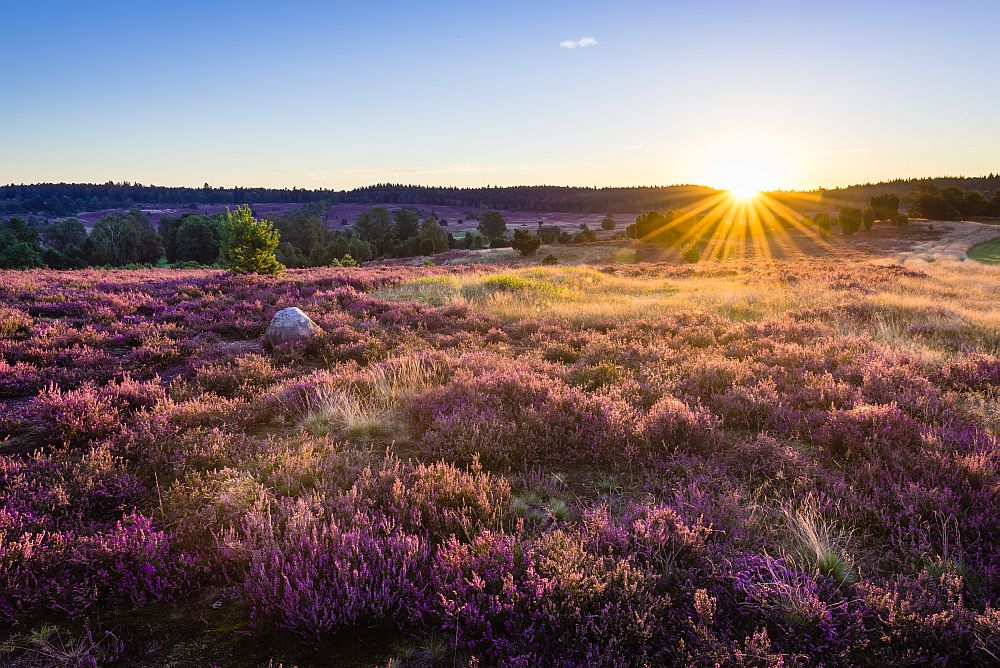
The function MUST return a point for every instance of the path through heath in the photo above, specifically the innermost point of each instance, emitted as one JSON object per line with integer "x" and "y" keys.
{"x": 956, "y": 239}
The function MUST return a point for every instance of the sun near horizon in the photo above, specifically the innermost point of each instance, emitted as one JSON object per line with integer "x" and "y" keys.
{"x": 745, "y": 168}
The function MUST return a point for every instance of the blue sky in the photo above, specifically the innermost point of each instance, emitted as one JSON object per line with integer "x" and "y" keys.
{"x": 468, "y": 93}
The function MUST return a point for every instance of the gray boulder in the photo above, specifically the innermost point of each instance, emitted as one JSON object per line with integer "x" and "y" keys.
{"x": 289, "y": 325}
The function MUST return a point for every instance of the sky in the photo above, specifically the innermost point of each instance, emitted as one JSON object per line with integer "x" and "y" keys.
{"x": 338, "y": 95}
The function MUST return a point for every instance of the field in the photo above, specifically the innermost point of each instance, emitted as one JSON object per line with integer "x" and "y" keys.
{"x": 460, "y": 219}
{"x": 772, "y": 460}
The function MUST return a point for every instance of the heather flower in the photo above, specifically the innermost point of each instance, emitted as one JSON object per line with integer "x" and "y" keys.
{"x": 869, "y": 431}
{"x": 318, "y": 577}
{"x": 673, "y": 425}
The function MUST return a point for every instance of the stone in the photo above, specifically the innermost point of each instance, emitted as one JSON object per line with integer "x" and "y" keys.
{"x": 288, "y": 326}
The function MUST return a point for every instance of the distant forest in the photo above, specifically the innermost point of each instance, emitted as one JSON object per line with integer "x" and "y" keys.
{"x": 66, "y": 199}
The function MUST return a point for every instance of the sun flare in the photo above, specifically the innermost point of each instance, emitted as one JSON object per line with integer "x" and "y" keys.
{"x": 743, "y": 193}
{"x": 746, "y": 169}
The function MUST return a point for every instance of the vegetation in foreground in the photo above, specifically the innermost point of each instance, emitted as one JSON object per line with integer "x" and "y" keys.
{"x": 735, "y": 463}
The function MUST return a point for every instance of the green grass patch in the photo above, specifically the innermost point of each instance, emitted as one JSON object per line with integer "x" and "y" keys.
{"x": 514, "y": 283}
{"x": 986, "y": 252}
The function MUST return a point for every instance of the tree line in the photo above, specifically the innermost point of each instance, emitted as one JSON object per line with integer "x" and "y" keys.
{"x": 236, "y": 238}
{"x": 66, "y": 199}
{"x": 190, "y": 240}
{"x": 952, "y": 202}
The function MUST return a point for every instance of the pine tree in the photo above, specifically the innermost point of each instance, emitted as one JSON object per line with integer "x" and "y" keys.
{"x": 248, "y": 244}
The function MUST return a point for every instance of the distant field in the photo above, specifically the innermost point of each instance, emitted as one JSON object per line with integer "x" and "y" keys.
{"x": 458, "y": 219}
{"x": 987, "y": 252}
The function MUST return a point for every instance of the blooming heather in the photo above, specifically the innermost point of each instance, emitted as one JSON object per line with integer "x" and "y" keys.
{"x": 747, "y": 470}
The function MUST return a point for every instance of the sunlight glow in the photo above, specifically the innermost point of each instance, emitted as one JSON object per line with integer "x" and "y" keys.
{"x": 747, "y": 168}
{"x": 743, "y": 193}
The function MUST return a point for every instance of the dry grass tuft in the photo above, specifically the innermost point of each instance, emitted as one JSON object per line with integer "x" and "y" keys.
{"x": 370, "y": 407}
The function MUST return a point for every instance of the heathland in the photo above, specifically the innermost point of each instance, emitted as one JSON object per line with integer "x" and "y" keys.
{"x": 786, "y": 456}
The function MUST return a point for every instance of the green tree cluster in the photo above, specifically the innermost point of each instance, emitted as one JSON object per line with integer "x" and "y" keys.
{"x": 402, "y": 233}
{"x": 952, "y": 203}
{"x": 191, "y": 238}
{"x": 19, "y": 245}
{"x": 493, "y": 226}
{"x": 119, "y": 240}
{"x": 67, "y": 245}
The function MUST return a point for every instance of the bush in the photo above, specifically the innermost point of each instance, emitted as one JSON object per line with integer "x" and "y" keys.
{"x": 902, "y": 221}
{"x": 318, "y": 576}
{"x": 691, "y": 253}
{"x": 550, "y": 259}
{"x": 74, "y": 417}
{"x": 869, "y": 432}
{"x": 823, "y": 223}
{"x": 868, "y": 217}
{"x": 68, "y": 572}
{"x": 525, "y": 243}
{"x": 673, "y": 425}
{"x": 850, "y": 220}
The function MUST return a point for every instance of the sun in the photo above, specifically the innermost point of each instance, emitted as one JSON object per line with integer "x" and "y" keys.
{"x": 743, "y": 193}
{"x": 745, "y": 169}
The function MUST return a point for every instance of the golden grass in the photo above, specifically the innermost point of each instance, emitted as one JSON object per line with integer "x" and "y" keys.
{"x": 370, "y": 407}
{"x": 931, "y": 317}
{"x": 817, "y": 543}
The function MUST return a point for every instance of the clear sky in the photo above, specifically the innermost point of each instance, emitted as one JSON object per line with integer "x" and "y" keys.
{"x": 337, "y": 94}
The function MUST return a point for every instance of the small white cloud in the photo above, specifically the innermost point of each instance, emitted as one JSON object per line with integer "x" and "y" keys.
{"x": 840, "y": 151}
{"x": 581, "y": 43}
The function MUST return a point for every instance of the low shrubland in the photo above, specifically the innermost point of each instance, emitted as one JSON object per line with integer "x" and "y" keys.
{"x": 736, "y": 463}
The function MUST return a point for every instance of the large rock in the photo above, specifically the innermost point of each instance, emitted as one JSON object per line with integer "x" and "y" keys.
{"x": 289, "y": 325}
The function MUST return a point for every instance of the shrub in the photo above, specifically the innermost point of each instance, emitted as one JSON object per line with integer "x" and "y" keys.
{"x": 870, "y": 431}
{"x": 318, "y": 576}
{"x": 14, "y": 324}
{"x": 550, "y": 601}
{"x": 850, "y": 220}
{"x": 672, "y": 425}
{"x": 512, "y": 416}
{"x": 868, "y": 217}
{"x": 550, "y": 259}
{"x": 525, "y": 243}
{"x": 691, "y": 253}
{"x": 74, "y": 417}
{"x": 823, "y": 223}
{"x": 438, "y": 500}
{"x": 132, "y": 562}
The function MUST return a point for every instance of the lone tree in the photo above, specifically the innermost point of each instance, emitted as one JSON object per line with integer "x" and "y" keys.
{"x": 248, "y": 244}
{"x": 608, "y": 223}
{"x": 849, "y": 220}
{"x": 886, "y": 206}
{"x": 823, "y": 223}
{"x": 493, "y": 226}
{"x": 525, "y": 243}
{"x": 868, "y": 217}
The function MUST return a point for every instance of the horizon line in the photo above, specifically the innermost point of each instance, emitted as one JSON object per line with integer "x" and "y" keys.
{"x": 489, "y": 186}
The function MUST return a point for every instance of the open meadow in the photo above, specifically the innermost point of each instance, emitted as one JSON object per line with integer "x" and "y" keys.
{"x": 751, "y": 462}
